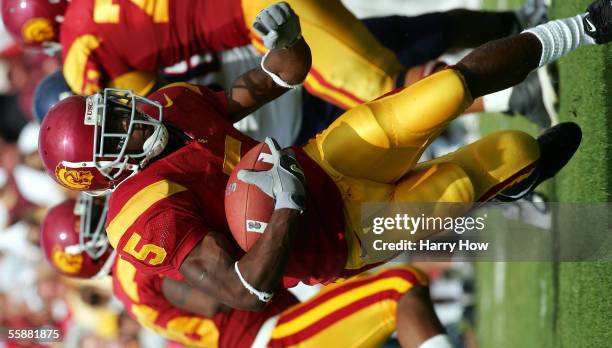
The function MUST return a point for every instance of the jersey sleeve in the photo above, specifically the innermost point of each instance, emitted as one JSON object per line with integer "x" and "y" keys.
{"x": 89, "y": 68}
{"x": 203, "y": 95}
{"x": 216, "y": 98}
{"x": 141, "y": 82}
{"x": 81, "y": 70}
{"x": 161, "y": 238}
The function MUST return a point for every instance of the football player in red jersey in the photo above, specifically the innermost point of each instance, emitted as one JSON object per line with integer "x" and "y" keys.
{"x": 371, "y": 307}
{"x": 124, "y": 43}
{"x": 166, "y": 212}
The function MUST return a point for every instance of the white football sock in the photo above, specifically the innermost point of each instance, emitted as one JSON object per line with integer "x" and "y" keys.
{"x": 438, "y": 341}
{"x": 498, "y": 101}
{"x": 560, "y": 37}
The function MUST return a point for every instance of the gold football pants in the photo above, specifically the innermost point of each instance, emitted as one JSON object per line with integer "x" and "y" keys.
{"x": 371, "y": 152}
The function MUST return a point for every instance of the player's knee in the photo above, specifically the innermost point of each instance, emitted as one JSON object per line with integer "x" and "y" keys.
{"x": 522, "y": 148}
{"x": 450, "y": 172}
{"x": 439, "y": 182}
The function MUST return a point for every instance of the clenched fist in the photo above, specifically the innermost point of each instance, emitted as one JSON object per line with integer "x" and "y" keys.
{"x": 278, "y": 26}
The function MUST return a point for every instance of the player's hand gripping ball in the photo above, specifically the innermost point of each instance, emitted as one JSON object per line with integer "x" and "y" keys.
{"x": 267, "y": 178}
{"x": 278, "y": 26}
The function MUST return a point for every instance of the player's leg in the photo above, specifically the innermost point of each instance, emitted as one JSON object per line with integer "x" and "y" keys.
{"x": 427, "y": 184}
{"x": 385, "y": 137}
{"x": 480, "y": 171}
{"x": 417, "y": 323}
{"x": 381, "y": 140}
{"x": 362, "y": 312}
{"x": 535, "y": 99}
{"x": 500, "y": 64}
{"x": 503, "y": 63}
{"x": 335, "y": 35}
{"x": 505, "y": 165}
{"x": 419, "y": 40}
{"x": 476, "y": 171}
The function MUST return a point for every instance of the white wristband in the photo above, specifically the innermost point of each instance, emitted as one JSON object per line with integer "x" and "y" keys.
{"x": 277, "y": 79}
{"x": 262, "y": 296}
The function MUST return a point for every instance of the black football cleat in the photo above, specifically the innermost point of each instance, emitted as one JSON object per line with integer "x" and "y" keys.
{"x": 598, "y": 21}
{"x": 557, "y": 146}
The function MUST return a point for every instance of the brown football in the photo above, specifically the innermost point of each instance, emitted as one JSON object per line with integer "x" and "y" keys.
{"x": 247, "y": 208}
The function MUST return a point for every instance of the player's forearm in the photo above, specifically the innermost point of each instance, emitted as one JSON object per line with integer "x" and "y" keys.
{"x": 263, "y": 265}
{"x": 187, "y": 298}
{"x": 250, "y": 91}
{"x": 292, "y": 64}
{"x": 256, "y": 87}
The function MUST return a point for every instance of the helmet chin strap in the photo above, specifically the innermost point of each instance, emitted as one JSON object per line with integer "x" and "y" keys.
{"x": 106, "y": 268}
{"x": 51, "y": 48}
{"x": 77, "y": 248}
{"x": 155, "y": 144}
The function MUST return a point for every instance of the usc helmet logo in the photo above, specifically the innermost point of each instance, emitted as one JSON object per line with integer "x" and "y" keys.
{"x": 67, "y": 263}
{"x": 38, "y": 30}
{"x": 76, "y": 179}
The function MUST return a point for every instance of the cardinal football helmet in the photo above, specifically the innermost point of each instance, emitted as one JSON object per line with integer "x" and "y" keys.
{"x": 83, "y": 141}
{"x": 34, "y": 23}
{"x": 73, "y": 237}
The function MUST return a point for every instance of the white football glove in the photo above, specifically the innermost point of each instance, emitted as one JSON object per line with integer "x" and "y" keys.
{"x": 278, "y": 26}
{"x": 284, "y": 181}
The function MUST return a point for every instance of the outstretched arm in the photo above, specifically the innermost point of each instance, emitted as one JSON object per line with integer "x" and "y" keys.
{"x": 283, "y": 67}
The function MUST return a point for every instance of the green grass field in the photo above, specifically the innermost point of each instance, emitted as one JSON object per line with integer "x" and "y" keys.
{"x": 565, "y": 304}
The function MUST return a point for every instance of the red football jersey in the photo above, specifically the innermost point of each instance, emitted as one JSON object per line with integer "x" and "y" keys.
{"x": 123, "y": 43}
{"x": 143, "y": 298}
{"x": 159, "y": 215}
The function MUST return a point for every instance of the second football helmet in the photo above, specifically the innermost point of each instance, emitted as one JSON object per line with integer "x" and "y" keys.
{"x": 73, "y": 238}
{"x": 84, "y": 141}
{"x": 49, "y": 91}
{"x": 33, "y": 22}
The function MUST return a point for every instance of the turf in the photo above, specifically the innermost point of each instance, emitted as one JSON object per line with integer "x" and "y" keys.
{"x": 558, "y": 304}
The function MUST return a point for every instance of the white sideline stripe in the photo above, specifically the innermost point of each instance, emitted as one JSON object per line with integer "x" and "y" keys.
{"x": 549, "y": 96}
